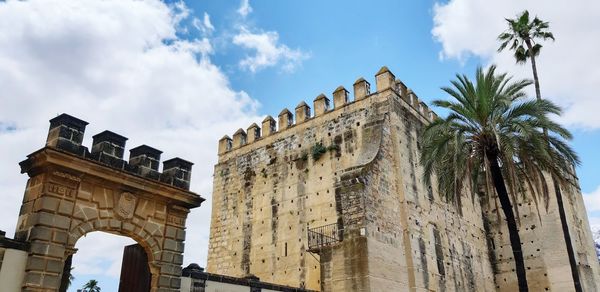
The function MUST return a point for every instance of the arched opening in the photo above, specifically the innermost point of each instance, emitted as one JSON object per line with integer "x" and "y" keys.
{"x": 115, "y": 262}
{"x": 73, "y": 191}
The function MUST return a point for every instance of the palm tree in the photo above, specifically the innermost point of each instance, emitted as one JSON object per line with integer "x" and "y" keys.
{"x": 71, "y": 277}
{"x": 521, "y": 37}
{"x": 494, "y": 137}
{"x": 91, "y": 286}
{"x": 67, "y": 277}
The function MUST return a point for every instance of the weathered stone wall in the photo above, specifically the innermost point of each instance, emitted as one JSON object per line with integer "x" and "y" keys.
{"x": 416, "y": 238}
{"x": 59, "y": 207}
{"x": 266, "y": 195}
{"x": 398, "y": 233}
{"x": 544, "y": 249}
{"x": 581, "y": 236}
{"x": 72, "y": 192}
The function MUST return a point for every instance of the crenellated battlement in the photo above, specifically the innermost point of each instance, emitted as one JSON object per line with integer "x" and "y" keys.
{"x": 384, "y": 80}
{"x": 66, "y": 134}
{"x": 341, "y": 178}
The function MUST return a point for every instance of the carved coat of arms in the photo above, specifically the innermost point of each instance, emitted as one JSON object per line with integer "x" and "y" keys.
{"x": 126, "y": 205}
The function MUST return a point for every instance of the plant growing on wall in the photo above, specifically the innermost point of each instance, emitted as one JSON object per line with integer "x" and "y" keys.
{"x": 496, "y": 136}
{"x": 317, "y": 150}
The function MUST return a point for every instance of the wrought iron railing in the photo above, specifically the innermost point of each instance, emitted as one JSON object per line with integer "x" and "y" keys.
{"x": 323, "y": 236}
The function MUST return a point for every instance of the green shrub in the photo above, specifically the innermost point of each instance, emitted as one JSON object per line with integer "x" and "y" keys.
{"x": 318, "y": 150}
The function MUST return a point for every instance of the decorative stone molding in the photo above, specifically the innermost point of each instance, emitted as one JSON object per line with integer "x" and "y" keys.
{"x": 72, "y": 192}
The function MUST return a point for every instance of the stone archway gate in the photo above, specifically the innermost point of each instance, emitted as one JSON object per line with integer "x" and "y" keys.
{"x": 72, "y": 191}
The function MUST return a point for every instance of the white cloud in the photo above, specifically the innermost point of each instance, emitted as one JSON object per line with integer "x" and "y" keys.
{"x": 245, "y": 8}
{"x": 268, "y": 51}
{"x": 592, "y": 206}
{"x": 205, "y": 25}
{"x": 207, "y": 22}
{"x": 592, "y": 200}
{"x": 568, "y": 69}
{"x": 120, "y": 66}
{"x": 109, "y": 254}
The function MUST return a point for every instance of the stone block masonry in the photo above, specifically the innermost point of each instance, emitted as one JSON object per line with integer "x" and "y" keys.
{"x": 73, "y": 191}
{"x": 355, "y": 169}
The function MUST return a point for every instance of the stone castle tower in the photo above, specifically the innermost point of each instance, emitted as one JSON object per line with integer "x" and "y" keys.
{"x": 336, "y": 201}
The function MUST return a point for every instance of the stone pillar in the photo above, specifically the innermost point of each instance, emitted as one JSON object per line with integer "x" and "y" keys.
{"x": 412, "y": 98}
{"x": 362, "y": 88}
{"x": 178, "y": 172}
{"x": 321, "y": 104}
{"x": 145, "y": 160}
{"x": 401, "y": 88}
{"x": 225, "y": 144}
{"x": 433, "y": 116}
{"x": 239, "y": 138}
{"x": 46, "y": 228}
{"x": 407, "y": 97}
{"x": 66, "y": 133}
{"x": 268, "y": 126}
{"x": 415, "y": 100}
{"x": 424, "y": 109}
{"x": 108, "y": 148}
{"x": 253, "y": 133}
{"x": 171, "y": 258}
{"x": 302, "y": 112}
{"x": 384, "y": 79}
{"x": 286, "y": 119}
{"x": 340, "y": 97}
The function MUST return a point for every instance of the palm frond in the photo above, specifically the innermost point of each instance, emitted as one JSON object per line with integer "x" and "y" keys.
{"x": 522, "y": 33}
{"x": 493, "y": 114}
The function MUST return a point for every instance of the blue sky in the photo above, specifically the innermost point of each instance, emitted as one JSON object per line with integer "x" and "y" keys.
{"x": 350, "y": 40}
{"x": 344, "y": 42}
{"x": 179, "y": 75}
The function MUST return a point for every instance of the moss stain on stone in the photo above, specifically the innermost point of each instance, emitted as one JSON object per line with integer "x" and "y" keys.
{"x": 249, "y": 176}
{"x": 423, "y": 258}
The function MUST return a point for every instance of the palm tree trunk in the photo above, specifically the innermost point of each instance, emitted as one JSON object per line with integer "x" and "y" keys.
{"x": 561, "y": 208}
{"x": 513, "y": 232}
{"x": 536, "y": 80}
{"x": 567, "y": 236}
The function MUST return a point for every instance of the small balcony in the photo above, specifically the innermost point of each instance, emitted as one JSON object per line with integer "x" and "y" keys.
{"x": 324, "y": 236}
